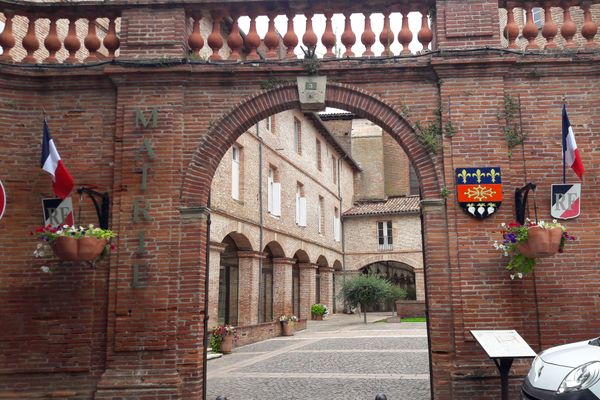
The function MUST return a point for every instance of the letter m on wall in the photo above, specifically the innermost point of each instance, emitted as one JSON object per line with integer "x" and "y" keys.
{"x": 142, "y": 121}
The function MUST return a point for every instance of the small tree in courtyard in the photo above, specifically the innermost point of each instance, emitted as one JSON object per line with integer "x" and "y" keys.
{"x": 368, "y": 290}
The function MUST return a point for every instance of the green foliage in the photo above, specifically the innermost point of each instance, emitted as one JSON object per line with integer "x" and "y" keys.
{"x": 445, "y": 192}
{"x": 449, "y": 131}
{"x": 429, "y": 136}
{"x": 411, "y": 293}
{"x": 366, "y": 290}
{"x": 215, "y": 342}
{"x": 318, "y": 309}
{"x": 414, "y": 319}
{"x": 398, "y": 293}
{"x": 512, "y": 129}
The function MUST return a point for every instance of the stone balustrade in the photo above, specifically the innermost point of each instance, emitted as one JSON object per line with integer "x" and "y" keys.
{"x": 550, "y": 25}
{"x": 57, "y": 33}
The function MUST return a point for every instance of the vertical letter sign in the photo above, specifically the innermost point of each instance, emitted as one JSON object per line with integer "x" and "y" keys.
{"x": 2, "y": 200}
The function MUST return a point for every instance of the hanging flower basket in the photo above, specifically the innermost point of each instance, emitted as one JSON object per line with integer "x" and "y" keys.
{"x": 541, "y": 242}
{"x": 73, "y": 243}
{"x": 526, "y": 243}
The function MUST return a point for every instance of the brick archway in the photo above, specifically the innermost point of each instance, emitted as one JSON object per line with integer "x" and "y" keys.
{"x": 223, "y": 133}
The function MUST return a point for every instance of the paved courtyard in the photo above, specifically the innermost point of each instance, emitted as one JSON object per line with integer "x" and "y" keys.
{"x": 340, "y": 358}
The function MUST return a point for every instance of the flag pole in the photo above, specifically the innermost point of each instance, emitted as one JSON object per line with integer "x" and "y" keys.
{"x": 564, "y": 100}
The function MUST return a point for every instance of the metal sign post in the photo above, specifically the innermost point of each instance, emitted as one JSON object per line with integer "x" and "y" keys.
{"x": 503, "y": 347}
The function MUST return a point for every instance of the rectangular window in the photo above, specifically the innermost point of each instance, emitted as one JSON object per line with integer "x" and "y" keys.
{"x": 228, "y": 294}
{"x": 334, "y": 169}
{"x": 384, "y": 235}
{"x": 321, "y": 214}
{"x": 337, "y": 226}
{"x": 297, "y": 136}
{"x": 235, "y": 172}
{"x": 318, "y": 146}
{"x": 270, "y": 124}
{"x": 300, "y": 205}
{"x": 273, "y": 193}
{"x": 296, "y": 289}
{"x": 318, "y": 288}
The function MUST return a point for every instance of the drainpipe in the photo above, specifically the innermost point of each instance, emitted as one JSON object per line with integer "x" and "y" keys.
{"x": 206, "y": 282}
{"x": 339, "y": 168}
{"x": 260, "y": 213}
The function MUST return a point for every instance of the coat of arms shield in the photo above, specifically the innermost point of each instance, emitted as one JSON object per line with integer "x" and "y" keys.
{"x": 479, "y": 190}
{"x": 566, "y": 201}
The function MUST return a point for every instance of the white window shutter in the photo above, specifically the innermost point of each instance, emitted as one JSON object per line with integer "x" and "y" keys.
{"x": 336, "y": 229}
{"x": 302, "y": 214}
{"x": 270, "y": 196}
{"x": 235, "y": 178}
{"x": 276, "y": 199}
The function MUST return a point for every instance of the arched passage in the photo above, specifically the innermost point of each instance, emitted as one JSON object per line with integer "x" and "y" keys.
{"x": 223, "y": 133}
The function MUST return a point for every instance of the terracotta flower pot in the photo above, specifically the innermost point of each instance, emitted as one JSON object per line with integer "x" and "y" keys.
{"x": 317, "y": 317}
{"x": 65, "y": 248}
{"x": 541, "y": 242}
{"x": 227, "y": 344}
{"x": 89, "y": 248}
{"x": 287, "y": 329}
{"x": 82, "y": 249}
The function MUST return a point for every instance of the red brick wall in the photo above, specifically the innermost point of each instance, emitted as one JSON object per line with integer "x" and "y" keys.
{"x": 410, "y": 308}
{"x": 256, "y": 333}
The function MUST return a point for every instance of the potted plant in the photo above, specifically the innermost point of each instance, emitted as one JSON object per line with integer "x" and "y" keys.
{"x": 287, "y": 324}
{"x": 222, "y": 338}
{"x": 319, "y": 311}
{"x": 525, "y": 243}
{"x": 70, "y": 243}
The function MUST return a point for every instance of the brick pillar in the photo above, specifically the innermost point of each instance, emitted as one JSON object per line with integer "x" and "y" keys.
{"x": 139, "y": 40}
{"x": 467, "y": 23}
{"x": 308, "y": 273}
{"x": 214, "y": 270}
{"x": 327, "y": 287}
{"x": 249, "y": 262}
{"x": 282, "y": 286}
{"x": 420, "y": 284}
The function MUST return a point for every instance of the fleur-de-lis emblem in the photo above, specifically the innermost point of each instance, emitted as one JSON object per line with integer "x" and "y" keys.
{"x": 478, "y": 174}
{"x": 493, "y": 174}
{"x": 464, "y": 175}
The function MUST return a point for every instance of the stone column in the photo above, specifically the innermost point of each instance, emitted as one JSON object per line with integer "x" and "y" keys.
{"x": 327, "y": 287}
{"x": 249, "y": 264}
{"x": 214, "y": 270}
{"x": 420, "y": 284}
{"x": 282, "y": 286}
{"x": 308, "y": 273}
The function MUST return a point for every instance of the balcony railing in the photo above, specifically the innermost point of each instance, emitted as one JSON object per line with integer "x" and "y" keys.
{"x": 386, "y": 247}
{"x": 550, "y": 25}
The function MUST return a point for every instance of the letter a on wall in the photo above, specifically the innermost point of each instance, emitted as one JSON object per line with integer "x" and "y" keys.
{"x": 566, "y": 201}
{"x": 479, "y": 190}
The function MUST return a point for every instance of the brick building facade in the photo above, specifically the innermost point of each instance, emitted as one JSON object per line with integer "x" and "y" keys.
{"x": 135, "y": 325}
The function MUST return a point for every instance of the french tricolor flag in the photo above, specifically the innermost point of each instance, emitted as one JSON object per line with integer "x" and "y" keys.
{"x": 570, "y": 151}
{"x": 52, "y": 164}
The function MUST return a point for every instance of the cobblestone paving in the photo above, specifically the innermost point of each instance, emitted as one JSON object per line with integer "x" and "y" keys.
{"x": 336, "y": 359}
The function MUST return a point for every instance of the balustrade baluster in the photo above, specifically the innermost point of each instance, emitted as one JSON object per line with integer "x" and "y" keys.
{"x": 252, "y": 39}
{"x": 91, "y": 41}
{"x": 348, "y": 37}
{"x": 589, "y": 28}
{"x": 235, "y": 40}
{"x": 215, "y": 40}
{"x": 196, "y": 41}
{"x": 7, "y": 38}
{"x": 290, "y": 39}
{"x": 530, "y": 30}
{"x": 30, "y": 41}
{"x": 550, "y": 29}
{"x": 111, "y": 40}
{"x": 405, "y": 36}
{"x": 425, "y": 35}
{"x": 386, "y": 37}
{"x": 328, "y": 38}
{"x": 309, "y": 39}
{"x": 368, "y": 36}
{"x": 512, "y": 28}
{"x": 271, "y": 38}
{"x": 72, "y": 43}
{"x": 52, "y": 42}
{"x": 568, "y": 28}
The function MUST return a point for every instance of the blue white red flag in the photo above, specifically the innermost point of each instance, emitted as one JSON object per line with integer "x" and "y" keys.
{"x": 62, "y": 182}
{"x": 570, "y": 151}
